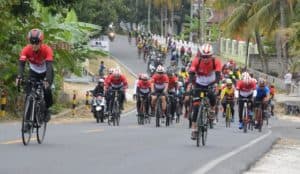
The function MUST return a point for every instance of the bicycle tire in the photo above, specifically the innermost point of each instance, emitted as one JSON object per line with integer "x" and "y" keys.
{"x": 157, "y": 112}
{"x": 245, "y": 119}
{"x": 41, "y": 128}
{"x": 205, "y": 120}
{"x": 26, "y": 138}
{"x": 228, "y": 115}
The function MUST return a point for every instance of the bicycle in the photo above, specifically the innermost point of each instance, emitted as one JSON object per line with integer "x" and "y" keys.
{"x": 34, "y": 113}
{"x": 247, "y": 116}
{"x": 259, "y": 114}
{"x": 228, "y": 114}
{"x": 114, "y": 108}
{"x": 158, "y": 111}
{"x": 178, "y": 109}
{"x": 202, "y": 116}
{"x": 142, "y": 116}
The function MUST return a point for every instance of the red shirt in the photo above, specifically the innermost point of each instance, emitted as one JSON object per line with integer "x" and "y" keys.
{"x": 111, "y": 81}
{"x": 45, "y": 53}
{"x": 144, "y": 85}
{"x": 242, "y": 86}
{"x": 205, "y": 67}
{"x": 159, "y": 81}
{"x": 173, "y": 82}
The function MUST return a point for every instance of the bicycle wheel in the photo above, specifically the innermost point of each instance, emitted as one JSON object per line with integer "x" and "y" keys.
{"x": 228, "y": 115}
{"x": 27, "y": 128}
{"x": 245, "y": 119}
{"x": 204, "y": 127}
{"x": 158, "y": 112}
{"x": 199, "y": 126}
{"x": 260, "y": 121}
{"x": 42, "y": 126}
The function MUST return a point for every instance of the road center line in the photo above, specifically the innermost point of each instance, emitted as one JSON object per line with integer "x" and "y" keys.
{"x": 224, "y": 157}
{"x": 94, "y": 130}
{"x": 15, "y": 141}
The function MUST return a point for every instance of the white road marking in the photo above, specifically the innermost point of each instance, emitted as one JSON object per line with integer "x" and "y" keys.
{"x": 224, "y": 157}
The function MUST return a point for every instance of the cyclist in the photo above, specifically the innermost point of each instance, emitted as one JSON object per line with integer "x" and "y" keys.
{"x": 227, "y": 96}
{"x": 262, "y": 95}
{"x": 172, "y": 88}
{"x": 182, "y": 51}
{"x": 183, "y": 74}
{"x": 231, "y": 64}
{"x": 143, "y": 90}
{"x": 205, "y": 71}
{"x": 245, "y": 88}
{"x": 159, "y": 85}
{"x": 173, "y": 67}
{"x": 116, "y": 81}
{"x": 272, "y": 95}
{"x": 40, "y": 58}
{"x": 189, "y": 52}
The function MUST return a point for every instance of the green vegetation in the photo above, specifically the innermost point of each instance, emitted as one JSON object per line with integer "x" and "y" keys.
{"x": 63, "y": 32}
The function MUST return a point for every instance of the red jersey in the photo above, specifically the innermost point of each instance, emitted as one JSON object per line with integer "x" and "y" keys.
{"x": 144, "y": 87}
{"x": 37, "y": 59}
{"x": 242, "y": 86}
{"x": 111, "y": 81}
{"x": 205, "y": 67}
{"x": 159, "y": 81}
{"x": 173, "y": 82}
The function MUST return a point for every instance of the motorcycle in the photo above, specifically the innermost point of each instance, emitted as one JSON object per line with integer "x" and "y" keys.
{"x": 98, "y": 108}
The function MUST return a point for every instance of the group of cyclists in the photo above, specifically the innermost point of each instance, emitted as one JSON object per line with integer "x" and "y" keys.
{"x": 226, "y": 84}
{"x": 204, "y": 72}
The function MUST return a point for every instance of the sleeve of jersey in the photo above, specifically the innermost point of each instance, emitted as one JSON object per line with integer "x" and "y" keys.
{"x": 238, "y": 85}
{"x": 194, "y": 65}
{"x": 125, "y": 82}
{"x": 218, "y": 65}
{"x": 166, "y": 79}
{"x": 23, "y": 54}
{"x": 49, "y": 54}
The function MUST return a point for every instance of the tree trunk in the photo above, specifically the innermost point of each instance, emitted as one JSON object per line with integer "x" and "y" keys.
{"x": 166, "y": 19}
{"x": 261, "y": 52}
{"x": 161, "y": 22}
{"x": 149, "y": 16}
{"x": 172, "y": 19}
{"x": 247, "y": 52}
{"x": 283, "y": 45}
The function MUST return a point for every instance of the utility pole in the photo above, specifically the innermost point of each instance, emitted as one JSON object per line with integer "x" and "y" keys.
{"x": 199, "y": 22}
{"x": 191, "y": 22}
{"x": 203, "y": 22}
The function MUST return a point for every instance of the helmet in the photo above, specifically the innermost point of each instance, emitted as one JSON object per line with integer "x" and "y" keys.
{"x": 231, "y": 61}
{"x": 206, "y": 50}
{"x": 35, "y": 36}
{"x": 111, "y": 70}
{"x": 228, "y": 81}
{"x": 117, "y": 73}
{"x": 144, "y": 77}
{"x": 183, "y": 69}
{"x": 160, "y": 69}
{"x": 261, "y": 82}
{"x": 101, "y": 80}
{"x": 170, "y": 72}
{"x": 180, "y": 84}
{"x": 246, "y": 78}
{"x": 140, "y": 75}
{"x": 245, "y": 74}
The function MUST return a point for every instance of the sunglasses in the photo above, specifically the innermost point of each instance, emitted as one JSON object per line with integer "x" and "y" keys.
{"x": 34, "y": 41}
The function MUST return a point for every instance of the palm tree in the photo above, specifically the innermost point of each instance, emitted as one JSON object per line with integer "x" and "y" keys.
{"x": 159, "y": 4}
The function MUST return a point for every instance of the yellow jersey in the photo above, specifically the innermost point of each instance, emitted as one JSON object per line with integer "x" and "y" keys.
{"x": 227, "y": 92}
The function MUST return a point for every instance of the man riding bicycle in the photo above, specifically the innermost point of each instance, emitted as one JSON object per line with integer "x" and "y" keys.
{"x": 143, "y": 90}
{"x": 262, "y": 95}
{"x": 159, "y": 85}
{"x": 227, "y": 96}
{"x": 172, "y": 88}
{"x": 40, "y": 57}
{"x": 116, "y": 81}
{"x": 245, "y": 88}
{"x": 205, "y": 71}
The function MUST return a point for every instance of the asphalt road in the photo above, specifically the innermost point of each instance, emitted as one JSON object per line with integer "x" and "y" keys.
{"x": 130, "y": 149}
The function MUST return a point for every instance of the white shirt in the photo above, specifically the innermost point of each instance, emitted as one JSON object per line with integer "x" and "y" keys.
{"x": 288, "y": 78}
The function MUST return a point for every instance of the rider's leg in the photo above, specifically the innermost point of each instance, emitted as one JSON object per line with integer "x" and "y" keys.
{"x": 153, "y": 103}
{"x": 164, "y": 104}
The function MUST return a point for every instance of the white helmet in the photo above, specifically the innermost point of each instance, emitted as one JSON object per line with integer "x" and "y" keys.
{"x": 160, "y": 69}
{"x": 101, "y": 80}
{"x": 206, "y": 50}
{"x": 180, "y": 84}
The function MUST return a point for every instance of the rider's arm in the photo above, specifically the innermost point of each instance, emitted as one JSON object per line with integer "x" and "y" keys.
{"x": 21, "y": 68}
{"x": 49, "y": 72}
{"x": 223, "y": 93}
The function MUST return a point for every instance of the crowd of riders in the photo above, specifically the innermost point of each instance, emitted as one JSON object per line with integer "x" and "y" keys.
{"x": 226, "y": 82}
